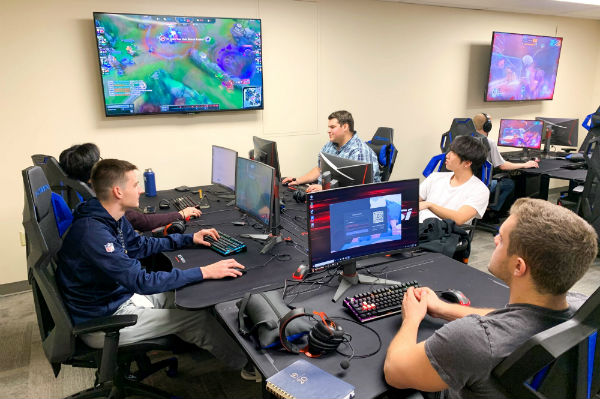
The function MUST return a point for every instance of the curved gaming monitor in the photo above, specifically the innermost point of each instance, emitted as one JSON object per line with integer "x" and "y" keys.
{"x": 345, "y": 172}
{"x": 563, "y": 131}
{"x": 520, "y": 133}
{"x": 522, "y": 67}
{"x": 224, "y": 165}
{"x": 265, "y": 151}
{"x": 162, "y": 64}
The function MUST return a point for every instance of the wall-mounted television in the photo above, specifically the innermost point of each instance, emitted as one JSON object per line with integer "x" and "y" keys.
{"x": 162, "y": 64}
{"x": 522, "y": 67}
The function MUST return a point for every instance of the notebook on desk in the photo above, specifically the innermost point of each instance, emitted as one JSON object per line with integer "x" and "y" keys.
{"x": 302, "y": 380}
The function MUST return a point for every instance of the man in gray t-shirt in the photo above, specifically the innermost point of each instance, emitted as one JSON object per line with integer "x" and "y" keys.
{"x": 541, "y": 251}
{"x": 483, "y": 125}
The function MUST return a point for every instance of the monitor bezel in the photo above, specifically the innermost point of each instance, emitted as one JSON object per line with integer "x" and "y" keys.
{"x": 516, "y": 146}
{"x": 487, "y": 85}
{"x": 186, "y": 112}
{"x": 271, "y": 196}
{"x": 212, "y": 169}
{"x": 558, "y": 121}
{"x": 374, "y": 186}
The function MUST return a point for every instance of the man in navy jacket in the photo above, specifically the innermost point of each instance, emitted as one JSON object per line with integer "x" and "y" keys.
{"x": 100, "y": 275}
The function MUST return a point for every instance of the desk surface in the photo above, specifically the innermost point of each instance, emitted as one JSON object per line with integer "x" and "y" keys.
{"x": 433, "y": 270}
{"x": 266, "y": 272}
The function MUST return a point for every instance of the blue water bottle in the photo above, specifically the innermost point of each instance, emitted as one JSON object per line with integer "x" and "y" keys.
{"x": 149, "y": 183}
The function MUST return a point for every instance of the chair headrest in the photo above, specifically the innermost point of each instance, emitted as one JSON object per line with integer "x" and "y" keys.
{"x": 41, "y": 192}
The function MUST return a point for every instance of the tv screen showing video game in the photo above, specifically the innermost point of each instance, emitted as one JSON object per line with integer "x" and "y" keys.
{"x": 522, "y": 67}
{"x": 160, "y": 64}
{"x": 520, "y": 133}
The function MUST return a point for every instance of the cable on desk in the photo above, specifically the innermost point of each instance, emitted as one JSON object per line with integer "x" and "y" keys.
{"x": 353, "y": 356}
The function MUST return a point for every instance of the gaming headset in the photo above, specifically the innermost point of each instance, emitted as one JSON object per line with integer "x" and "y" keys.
{"x": 175, "y": 227}
{"x": 487, "y": 125}
{"x": 324, "y": 337}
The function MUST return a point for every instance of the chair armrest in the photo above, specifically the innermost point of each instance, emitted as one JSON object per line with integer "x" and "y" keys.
{"x": 578, "y": 189}
{"x": 500, "y": 175}
{"x": 105, "y": 324}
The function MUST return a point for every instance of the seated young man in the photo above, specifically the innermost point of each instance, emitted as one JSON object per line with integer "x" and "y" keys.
{"x": 459, "y": 194}
{"x": 541, "y": 251}
{"x": 77, "y": 162}
{"x": 100, "y": 275}
{"x": 343, "y": 142}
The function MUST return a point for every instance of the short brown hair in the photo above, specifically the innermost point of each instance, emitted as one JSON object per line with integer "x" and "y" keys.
{"x": 479, "y": 120}
{"x": 108, "y": 173}
{"x": 343, "y": 117}
{"x": 557, "y": 245}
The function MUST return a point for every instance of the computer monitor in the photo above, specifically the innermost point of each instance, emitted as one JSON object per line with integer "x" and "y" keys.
{"x": 521, "y": 133}
{"x": 265, "y": 151}
{"x": 353, "y": 223}
{"x": 224, "y": 164}
{"x": 257, "y": 195}
{"x": 563, "y": 131}
{"x": 345, "y": 172}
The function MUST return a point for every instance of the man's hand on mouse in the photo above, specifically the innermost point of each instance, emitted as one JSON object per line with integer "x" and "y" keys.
{"x": 531, "y": 164}
{"x": 290, "y": 181}
{"x": 221, "y": 269}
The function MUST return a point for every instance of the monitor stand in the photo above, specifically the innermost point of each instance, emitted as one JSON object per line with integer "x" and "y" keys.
{"x": 349, "y": 277}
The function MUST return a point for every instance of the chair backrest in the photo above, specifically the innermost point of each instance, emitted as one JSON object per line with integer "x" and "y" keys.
{"x": 382, "y": 144}
{"x": 589, "y": 204}
{"x": 72, "y": 190}
{"x": 561, "y": 362}
{"x": 42, "y": 244}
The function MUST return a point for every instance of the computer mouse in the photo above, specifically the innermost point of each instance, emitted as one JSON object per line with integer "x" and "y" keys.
{"x": 455, "y": 296}
{"x": 244, "y": 271}
{"x": 301, "y": 272}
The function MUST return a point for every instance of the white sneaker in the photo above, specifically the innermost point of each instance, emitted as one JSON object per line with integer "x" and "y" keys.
{"x": 250, "y": 375}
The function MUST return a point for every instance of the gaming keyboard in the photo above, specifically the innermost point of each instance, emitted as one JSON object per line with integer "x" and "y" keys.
{"x": 379, "y": 303}
{"x": 226, "y": 245}
{"x": 184, "y": 202}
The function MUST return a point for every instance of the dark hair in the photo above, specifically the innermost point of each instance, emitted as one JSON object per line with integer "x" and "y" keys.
{"x": 469, "y": 148}
{"x": 342, "y": 118}
{"x": 557, "y": 245}
{"x": 77, "y": 161}
{"x": 109, "y": 173}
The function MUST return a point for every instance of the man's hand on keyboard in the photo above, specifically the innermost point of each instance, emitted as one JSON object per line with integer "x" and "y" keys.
{"x": 221, "y": 269}
{"x": 414, "y": 309}
{"x": 199, "y": 236}
{"x": 435, "y": 306}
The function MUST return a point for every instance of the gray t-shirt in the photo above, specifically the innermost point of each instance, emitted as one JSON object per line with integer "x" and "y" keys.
{"x": 465, "y": 351}
{"x": 494, "y": 157}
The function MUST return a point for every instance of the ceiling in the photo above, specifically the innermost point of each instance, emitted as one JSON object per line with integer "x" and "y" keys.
{"x": 543, "y": 7}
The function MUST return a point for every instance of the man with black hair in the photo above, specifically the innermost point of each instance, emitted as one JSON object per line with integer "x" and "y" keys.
{"x": 77, "y": 162}
{"x": 483, "y": 125}
{"x": 541, "y": 250}
{"x": 100, "y": 275}
{"x": 343, "y": 142}
{"x": 458, "y": 195}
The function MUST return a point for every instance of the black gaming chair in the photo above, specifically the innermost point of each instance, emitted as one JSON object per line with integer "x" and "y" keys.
{"x": 589, "y": 202}
{"x": 561, "y": 362}
{"x": 60, "y": 338}
{"x": 382, "y": 144}
{"x": 72, "y": 190}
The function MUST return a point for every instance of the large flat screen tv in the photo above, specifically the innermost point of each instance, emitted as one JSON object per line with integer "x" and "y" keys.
{"x": 161, "y": 64}
{"x": 522, "y": 67}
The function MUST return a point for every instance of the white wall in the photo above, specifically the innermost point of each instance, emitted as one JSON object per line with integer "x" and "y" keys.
{"x": 410, "y": 67}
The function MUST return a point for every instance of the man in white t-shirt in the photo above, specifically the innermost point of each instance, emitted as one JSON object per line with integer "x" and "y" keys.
{"x": 483, "y": 125}
{"x": 459, "y": 194}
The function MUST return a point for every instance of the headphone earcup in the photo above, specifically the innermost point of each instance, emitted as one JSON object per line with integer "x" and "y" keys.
{"x": 487, "y": 125}
{"x": 177, "y": 227}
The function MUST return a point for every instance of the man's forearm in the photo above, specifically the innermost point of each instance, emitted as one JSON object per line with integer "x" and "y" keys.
{"x": 406, "y": 336}
{"x": 310, "y": 177}
{"x": 452, "y": 311}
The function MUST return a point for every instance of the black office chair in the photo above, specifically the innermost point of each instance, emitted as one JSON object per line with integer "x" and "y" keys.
{"x": 561, "y": 362}
{"x": 60, "y": 338}
{"x": 72, "y": 190}
{"x": 588, "y": 206}
{"x": 382, "y": 144}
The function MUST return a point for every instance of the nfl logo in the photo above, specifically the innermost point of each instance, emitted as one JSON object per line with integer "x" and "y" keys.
{"x": 109, "y": 247}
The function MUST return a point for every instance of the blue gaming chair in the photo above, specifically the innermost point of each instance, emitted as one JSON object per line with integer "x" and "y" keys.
{"x": 382, "y": 144}
{"x": 561, "y": 362}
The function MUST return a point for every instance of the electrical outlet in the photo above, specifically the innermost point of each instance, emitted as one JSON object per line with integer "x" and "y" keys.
{"x": 22, "y": 238}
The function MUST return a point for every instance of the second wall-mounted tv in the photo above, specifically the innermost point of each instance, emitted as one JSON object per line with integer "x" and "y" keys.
{"x": 160, "y": 64}
{"x": 522, "y": 67}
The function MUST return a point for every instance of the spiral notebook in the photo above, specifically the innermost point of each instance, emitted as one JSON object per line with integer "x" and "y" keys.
{"x": 302, "y": 380}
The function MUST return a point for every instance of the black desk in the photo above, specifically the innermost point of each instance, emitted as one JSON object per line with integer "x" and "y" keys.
{"x": 540, "y": 177}
{"x": 265, "y": 272}
{"x": 433, "y": 270}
